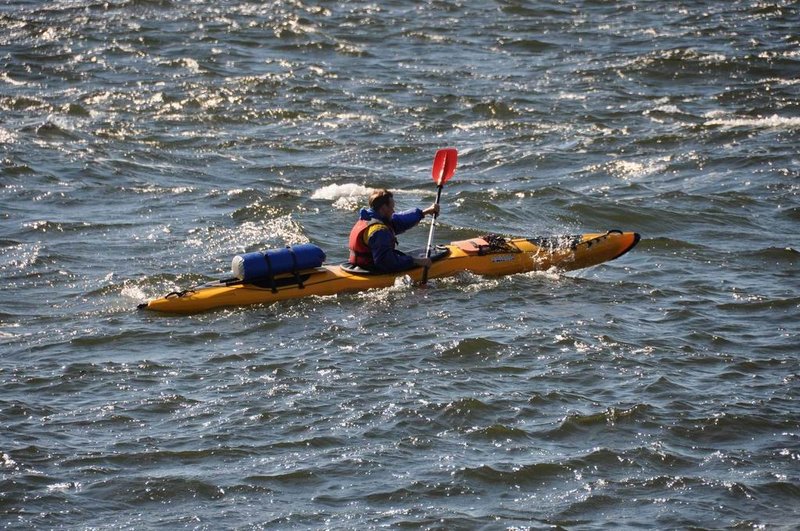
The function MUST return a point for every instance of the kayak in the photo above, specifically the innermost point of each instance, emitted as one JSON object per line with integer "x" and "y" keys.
{"x": 489, "y": 255}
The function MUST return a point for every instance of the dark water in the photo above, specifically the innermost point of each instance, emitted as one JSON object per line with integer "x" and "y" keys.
{"x": 144, "y": 143}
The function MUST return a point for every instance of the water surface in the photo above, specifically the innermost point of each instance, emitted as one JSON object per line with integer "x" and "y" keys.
{"x": 144, "y": 143}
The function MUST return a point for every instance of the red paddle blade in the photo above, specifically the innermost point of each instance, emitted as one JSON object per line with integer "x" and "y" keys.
{"x": 444, "y": 165}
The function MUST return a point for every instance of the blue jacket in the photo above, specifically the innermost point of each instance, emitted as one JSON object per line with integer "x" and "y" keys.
{"x": 382, "y": 242}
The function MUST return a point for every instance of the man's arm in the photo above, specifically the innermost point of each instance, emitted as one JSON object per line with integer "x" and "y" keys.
{"x": 402, "y": 221}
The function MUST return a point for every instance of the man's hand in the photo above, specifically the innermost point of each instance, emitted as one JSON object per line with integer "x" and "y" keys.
{"x": 422, "y": 262}
{"x": 433, "y": 209}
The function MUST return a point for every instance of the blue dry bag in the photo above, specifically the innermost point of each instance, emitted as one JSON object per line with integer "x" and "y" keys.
{"x": 257, "y": 265}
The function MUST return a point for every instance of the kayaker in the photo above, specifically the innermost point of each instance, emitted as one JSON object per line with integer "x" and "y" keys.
{"x": 373, "y": 238}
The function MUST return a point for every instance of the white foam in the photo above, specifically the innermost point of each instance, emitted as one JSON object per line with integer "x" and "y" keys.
{"x": 63, "y": 487}
{"x": 551, "y": 274}
{"x": 7, "y": 137}
{"x": 191, "y": 64}
{"x": 402, "y": 283}
{"x": 480, "y": 124}
{"x": 6, "y": 461}
{"x": 344, "y": 196}
{"x": 133, "y": 292}
{"x": 339, "y": 191}
{"x": 159, "y": 190}
{"x": 769, "y": 122}
{"x": 572, "y": 96}
{"x": 5, "y": 78}
{"x": 631, "y": 170}
{"x": 335, "y": 121}
{"x": 779, "y": 81}
{"x": 667, "y": 109}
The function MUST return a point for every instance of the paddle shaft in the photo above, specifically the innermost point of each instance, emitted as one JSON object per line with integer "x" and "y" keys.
{"x": 429, "y": 247}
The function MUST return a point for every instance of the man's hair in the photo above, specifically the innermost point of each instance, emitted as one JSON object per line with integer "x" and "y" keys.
{"x": 378, "y": 198}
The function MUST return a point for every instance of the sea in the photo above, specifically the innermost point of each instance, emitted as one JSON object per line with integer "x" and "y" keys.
{"x": 145, "y": 143}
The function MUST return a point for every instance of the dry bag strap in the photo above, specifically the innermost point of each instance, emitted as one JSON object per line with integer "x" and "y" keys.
{"x": 295, "y": 270}
{"x": 294, "y": 267}
{"x": 270, "y": 274}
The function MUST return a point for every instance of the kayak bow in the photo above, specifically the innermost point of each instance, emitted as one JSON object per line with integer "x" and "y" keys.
{"x": 488, "y": 255}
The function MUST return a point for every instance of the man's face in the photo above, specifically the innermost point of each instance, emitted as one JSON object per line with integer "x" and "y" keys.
{"x": 387, "y": 210}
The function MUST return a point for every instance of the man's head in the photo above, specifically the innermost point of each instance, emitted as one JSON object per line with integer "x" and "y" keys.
{"x": 382, "y": 203}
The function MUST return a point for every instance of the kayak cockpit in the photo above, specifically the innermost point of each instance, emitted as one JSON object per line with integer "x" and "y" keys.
{"x": 439, "y": 252}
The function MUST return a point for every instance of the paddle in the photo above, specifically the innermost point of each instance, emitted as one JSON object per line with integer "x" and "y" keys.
{"x": 444, "y": 166}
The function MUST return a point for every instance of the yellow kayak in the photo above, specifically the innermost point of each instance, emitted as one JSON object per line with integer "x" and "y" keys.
{"x": 488, "y": 255}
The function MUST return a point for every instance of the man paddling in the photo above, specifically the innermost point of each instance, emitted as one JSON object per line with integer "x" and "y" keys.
{"x": 374, "y": 236}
